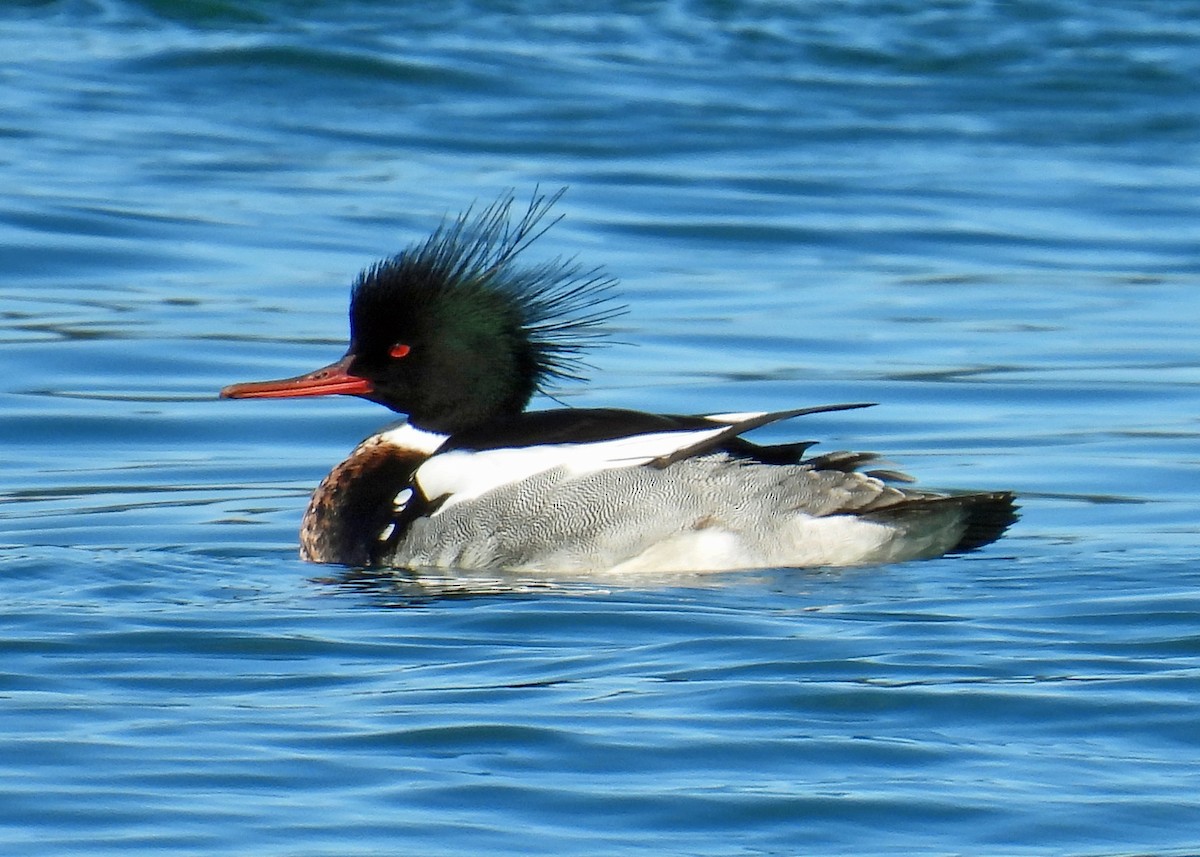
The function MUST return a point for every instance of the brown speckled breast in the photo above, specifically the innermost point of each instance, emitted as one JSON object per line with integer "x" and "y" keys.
{"x": 355, "y": 504}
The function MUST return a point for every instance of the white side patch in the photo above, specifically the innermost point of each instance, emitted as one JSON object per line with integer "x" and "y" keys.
{"x": 691, "y": 551}
{"x": 837, "y": 540}
{"x": 805, "y": 542}
{"x": 463, "y": 474}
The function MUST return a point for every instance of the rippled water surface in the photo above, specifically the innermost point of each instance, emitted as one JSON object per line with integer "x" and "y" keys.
{"x": 982, "y": 216}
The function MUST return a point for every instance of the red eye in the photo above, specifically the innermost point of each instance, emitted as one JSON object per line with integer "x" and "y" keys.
{"x": 399, "y": 350}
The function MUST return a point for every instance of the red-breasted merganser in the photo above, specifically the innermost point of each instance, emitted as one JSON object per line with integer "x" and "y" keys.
{"x": 456, "y": 333}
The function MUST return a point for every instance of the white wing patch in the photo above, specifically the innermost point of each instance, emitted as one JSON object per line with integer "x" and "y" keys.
{"x": 732, "y": 419}
{"x": 461, "y": 475}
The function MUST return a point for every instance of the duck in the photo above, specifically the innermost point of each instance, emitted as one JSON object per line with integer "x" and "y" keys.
{"x": 458, "y": 333}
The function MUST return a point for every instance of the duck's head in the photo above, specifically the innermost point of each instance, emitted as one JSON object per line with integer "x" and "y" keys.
{"x": 455, "y": 332}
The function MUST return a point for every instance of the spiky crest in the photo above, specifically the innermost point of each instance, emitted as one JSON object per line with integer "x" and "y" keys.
{"x": 470, "y": 264}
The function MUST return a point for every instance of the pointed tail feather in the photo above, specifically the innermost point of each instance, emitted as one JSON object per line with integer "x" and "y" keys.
{"x": 987, "y": 515}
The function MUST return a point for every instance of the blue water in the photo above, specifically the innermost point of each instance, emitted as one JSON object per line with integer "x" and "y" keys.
{"x": 983, "y": 216}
